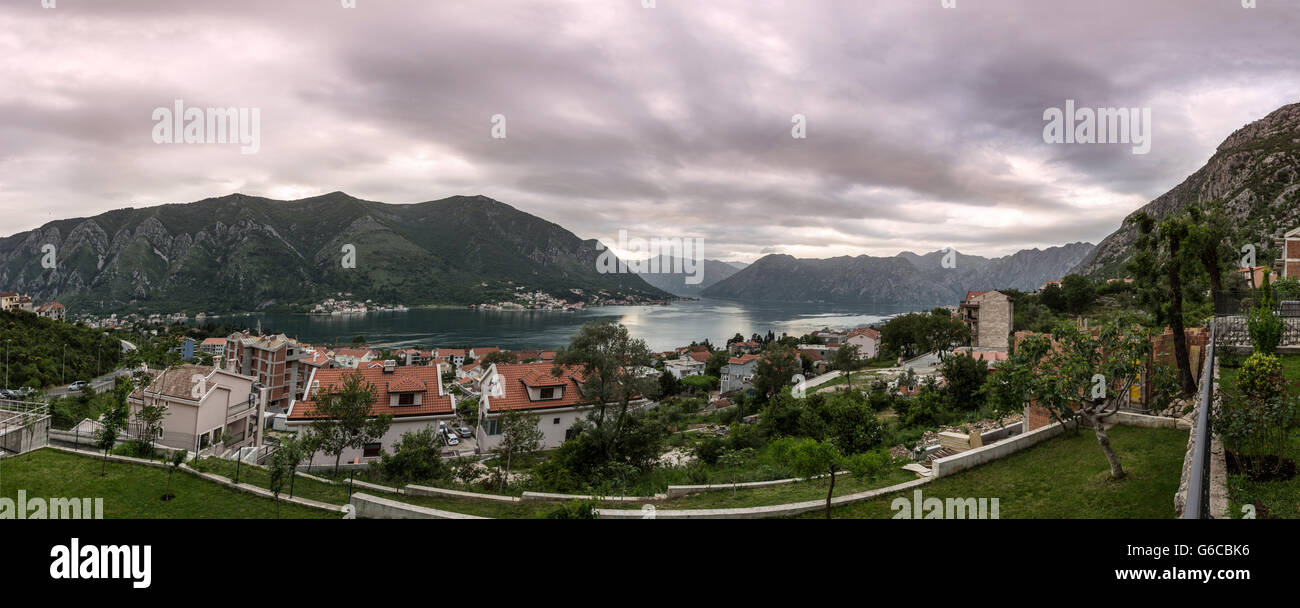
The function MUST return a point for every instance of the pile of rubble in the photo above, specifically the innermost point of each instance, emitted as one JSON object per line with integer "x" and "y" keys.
{"x": 980, "y": 426}
{"x": 1178, "y": 408}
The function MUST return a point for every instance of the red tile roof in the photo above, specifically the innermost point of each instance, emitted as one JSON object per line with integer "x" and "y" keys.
{"x": 743, "y": 359}
{"x": 865, "y": 331}
{"x": 517, "y": 377}
{"x": 214, "y": 342}
{"x": 400, "y": 380}
{"x": 702, "y": 357}
{"x": 972, "y": 294}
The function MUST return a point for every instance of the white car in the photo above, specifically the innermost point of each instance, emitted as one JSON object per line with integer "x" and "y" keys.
{"x": 451, "y": 438}
{"x": 78, "y": 385}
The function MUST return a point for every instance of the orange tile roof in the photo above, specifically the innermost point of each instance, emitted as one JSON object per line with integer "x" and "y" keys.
{"x": 401, "y": 379}
{"x": 865, "y": 331}
{"x": 214, "y": 342}
{"x": 517, "y": 377}
{"x": 743, "y": 359}
{"x": 702, "y": 357}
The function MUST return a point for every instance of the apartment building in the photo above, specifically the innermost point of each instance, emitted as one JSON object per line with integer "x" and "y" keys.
{"x": 989, "y": 315}
{"x": 277, "y": 362}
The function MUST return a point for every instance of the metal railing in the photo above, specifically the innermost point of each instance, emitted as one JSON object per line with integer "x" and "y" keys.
{"x": 1198, "y": 482}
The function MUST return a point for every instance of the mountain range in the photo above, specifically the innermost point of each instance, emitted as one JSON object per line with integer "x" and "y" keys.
{"x": 907, "y": 279}
{"x": 245, "y": 253}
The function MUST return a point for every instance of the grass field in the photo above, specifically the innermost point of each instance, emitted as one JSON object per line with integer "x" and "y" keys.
{"x": 1066, "y": 477}
{"x": 132, "y": 491}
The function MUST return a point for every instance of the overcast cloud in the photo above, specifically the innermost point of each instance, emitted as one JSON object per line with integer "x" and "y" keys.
{"x": 924, "y": 123}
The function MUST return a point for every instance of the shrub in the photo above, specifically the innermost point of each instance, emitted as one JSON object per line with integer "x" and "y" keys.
{"x": 1264, "y": 327}
{"x": 578, "y": 509}
{"x": 1261, "y": 377}
{"x": 417, "y": 456}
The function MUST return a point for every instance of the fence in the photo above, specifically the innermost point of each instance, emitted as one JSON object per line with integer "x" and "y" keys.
{"x": 1198, "y": 483}
{"x": 24, "y": 425}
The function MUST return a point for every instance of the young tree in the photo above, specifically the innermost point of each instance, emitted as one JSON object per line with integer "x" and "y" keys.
{"x": 717, "y": 360}
{"x": 280, "y": 469}
{"x": 810, "y": 458}
{"x": 149, "y": 420}
{"x": 733, "y": 461}
{"x": 848, "y": 359}
{"x": 346, "y": 418}
{"x": 521, "y": 435}
{"x": 1079, "y": 374}
{"x": 293, "y": 449}
{"x": 417, "y": 456}
{"x": 174, "y": 461}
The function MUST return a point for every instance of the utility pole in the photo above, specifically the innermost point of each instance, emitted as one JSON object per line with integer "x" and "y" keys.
{"x": 63, "y": 375}
{"x": 7, "y": 341}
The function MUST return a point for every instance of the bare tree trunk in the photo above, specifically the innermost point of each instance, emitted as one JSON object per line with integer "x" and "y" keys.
{"x": 830, "y": 493}
{"x": 1185, "y": 382}
{"x": 1116, "y": 471}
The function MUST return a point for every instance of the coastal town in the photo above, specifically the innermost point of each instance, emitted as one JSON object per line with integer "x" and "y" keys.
{"x": 922, "y": 386}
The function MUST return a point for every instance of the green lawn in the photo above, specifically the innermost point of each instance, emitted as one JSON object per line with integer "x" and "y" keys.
{"x": 1065, "y": 478}
{"x": 132, "y": 491}
{"x": 1281, "y": 497}
{"x": 779, "y": 495}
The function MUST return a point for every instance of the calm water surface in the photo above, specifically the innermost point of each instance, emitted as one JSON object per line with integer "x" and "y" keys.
{"x": 662, "y": 327}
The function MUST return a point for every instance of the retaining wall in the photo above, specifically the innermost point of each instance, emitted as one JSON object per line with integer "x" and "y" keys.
{"x": 374, "y": 507}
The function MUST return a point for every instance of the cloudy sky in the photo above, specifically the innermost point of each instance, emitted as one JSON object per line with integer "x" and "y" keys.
{"x": 924, "y": 123}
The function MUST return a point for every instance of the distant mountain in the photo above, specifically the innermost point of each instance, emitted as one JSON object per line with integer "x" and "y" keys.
{"x": 907, "y": 279}
{"x": 738, "y": 265}
{"x": 678, "y": 283}
{"x": 1255, "y": 172}
{"x": 244, "y": 253}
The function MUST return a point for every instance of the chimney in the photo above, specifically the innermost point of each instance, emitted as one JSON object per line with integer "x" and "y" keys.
{"x": 389, "y": 366}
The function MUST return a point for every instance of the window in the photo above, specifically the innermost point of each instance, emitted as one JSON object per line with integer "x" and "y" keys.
{"x": 548, "y": 393}
{"x": 371, "y": 450}
{"x": 492, "y": 426}
{"x": 406, "y": 399}
{"x": 557, "y": 421}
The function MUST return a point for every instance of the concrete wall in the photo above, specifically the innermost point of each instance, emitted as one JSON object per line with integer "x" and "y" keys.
{"x": 758, "y": 512}
{"x": 374, "y": 507}
{"x": 943, "y": 467}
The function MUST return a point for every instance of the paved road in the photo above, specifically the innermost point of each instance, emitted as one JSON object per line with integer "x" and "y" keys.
{"x": 98, "y": 384}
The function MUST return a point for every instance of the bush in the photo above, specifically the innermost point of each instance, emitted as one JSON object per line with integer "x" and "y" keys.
{"x": 417, "y": 456}
{"x": 1261, "y": 377}
{"x": 578, "y": 509}
{"x": 1264, "y": 327}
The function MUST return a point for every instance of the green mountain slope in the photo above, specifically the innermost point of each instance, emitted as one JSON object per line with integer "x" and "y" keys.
{"x": 243, "y": 253}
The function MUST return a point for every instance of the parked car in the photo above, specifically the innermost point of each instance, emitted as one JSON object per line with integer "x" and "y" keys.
{"x": 464, "y": 432}
{"x": 25, "y": 391}
{"x": 451, "y": 439}
{"x": 78, "y": 385}
{"x": 7, "y": 394}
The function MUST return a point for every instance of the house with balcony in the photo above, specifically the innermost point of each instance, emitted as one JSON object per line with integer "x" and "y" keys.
{"x": 1288, "y": 263}
{"x": 215, "y": 347}
{"x": 738, "y": 372}
{"x": 413, "y": 395}
{"x": 209, "y": 410}
{"x": 277, "y": 362}
{"x": 353, "y": 358}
